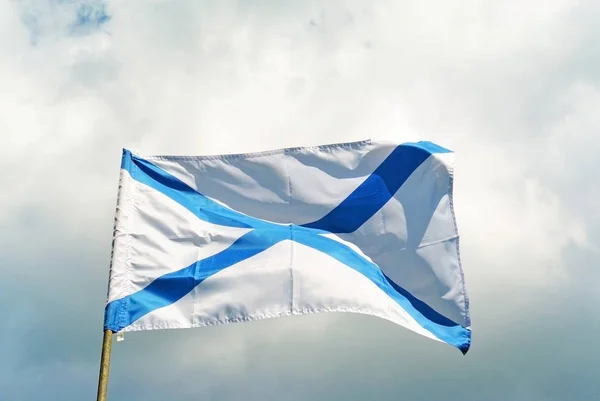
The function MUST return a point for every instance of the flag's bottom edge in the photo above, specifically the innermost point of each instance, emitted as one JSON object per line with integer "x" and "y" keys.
{"x": 463, "y": 344}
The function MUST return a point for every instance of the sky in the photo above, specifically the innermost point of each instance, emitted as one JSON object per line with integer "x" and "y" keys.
{"x": 512, "y": 87}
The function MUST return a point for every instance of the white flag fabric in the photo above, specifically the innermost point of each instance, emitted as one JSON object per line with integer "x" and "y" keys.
{"x": 365, "y": 227}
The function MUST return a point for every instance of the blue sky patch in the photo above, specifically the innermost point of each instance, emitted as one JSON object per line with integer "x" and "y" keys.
{"x": 63, "y": 17}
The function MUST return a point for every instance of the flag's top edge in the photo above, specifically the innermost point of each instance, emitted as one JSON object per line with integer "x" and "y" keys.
{"x": 430, "y": 147}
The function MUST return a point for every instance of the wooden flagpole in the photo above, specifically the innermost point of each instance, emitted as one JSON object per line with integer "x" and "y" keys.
{"x": 104, "y": 365}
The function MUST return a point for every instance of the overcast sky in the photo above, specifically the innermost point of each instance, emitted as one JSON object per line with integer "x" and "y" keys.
{"x": 513, "y": 87}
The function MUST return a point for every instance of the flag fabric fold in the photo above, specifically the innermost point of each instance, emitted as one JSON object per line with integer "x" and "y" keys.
{"x": 365, "y": 227}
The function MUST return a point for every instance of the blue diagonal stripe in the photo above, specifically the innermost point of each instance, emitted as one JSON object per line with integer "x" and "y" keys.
{"x": 203, "y": 207}
{"x": 442, "y": 327}
{"x": 171, "y": 287}
{"x": 377, "y": 189}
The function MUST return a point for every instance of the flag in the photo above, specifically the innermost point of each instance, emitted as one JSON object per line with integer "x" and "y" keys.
{"x": 365, "y": 227}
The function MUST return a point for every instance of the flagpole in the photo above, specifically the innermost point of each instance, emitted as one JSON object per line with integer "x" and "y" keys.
{"x": 104, "y": 365}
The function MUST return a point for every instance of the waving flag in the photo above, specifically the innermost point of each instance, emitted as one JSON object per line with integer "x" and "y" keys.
{"x": 365, "y": 227}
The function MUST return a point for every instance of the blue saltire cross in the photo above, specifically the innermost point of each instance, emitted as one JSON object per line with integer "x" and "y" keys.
{"x": 347, "y": 217}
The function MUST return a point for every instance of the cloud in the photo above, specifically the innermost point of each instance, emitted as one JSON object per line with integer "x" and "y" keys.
{"x": 512, "y": 87}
